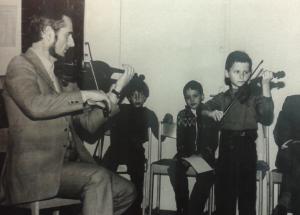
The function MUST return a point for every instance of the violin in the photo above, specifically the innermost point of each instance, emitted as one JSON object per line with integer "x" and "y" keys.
{"x": 253, "y": 87}
{"x": 66, "y": 72}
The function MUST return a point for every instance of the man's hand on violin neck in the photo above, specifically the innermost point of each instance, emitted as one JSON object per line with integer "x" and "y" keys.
{"x": 125, "y": 78}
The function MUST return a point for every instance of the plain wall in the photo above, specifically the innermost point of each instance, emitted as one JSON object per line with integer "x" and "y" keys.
{"x": 174, "y": 41}
{"x": 6, "y": 53}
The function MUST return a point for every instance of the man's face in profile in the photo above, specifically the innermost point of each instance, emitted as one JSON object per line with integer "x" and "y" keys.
{"x": 64, "y": 39}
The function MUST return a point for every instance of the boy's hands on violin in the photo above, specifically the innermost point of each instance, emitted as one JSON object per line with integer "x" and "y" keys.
{"x": 267, "y": 76}
{"x": 216, "y": 115}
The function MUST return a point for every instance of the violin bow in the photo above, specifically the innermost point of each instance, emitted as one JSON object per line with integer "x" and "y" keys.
{"x": 91, "y": 65}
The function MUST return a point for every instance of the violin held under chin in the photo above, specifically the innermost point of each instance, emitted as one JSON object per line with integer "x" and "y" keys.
{"x": 254, "y": 86}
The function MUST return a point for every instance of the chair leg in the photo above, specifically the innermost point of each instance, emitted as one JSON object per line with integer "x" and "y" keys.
{"x": 268, "y": 194}
{"x": 260, "y": 201}
{"x": 35, "y": 208}
{"x": 151, "y": 181}
{"x": 271, "y": 188}
{"x": 211, "y": 201}
{"x": 56, "y": 212}
{"x": 145, "y": 192}
{"x": 158, "y": 192}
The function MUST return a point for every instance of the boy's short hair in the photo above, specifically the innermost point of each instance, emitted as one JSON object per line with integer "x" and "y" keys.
{"x": 137, "y": 84}
{"x": 237, "y": 56}
{"x": 194, "y": 85}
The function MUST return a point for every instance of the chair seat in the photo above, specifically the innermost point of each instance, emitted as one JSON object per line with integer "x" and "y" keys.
{"x": 52, "y": 203}
{"x": 262, "y": 167}
{"x": 276, "y": 176}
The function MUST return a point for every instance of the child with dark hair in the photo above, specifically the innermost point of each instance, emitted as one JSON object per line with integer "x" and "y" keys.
{"x": 236, "y": 166}
{"x": 129, "y": 131}
{"x": 196, "y": 135}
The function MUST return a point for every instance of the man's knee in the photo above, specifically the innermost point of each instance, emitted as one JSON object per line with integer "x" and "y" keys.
{"x": 101, "y": 176}
{"x": 131, "y": 190}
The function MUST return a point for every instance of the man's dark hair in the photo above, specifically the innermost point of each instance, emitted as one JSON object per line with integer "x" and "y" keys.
{"x": 194, "y": 85}
{"x": 42, "y": 19}
{"x": 137, "y": 84}
{"x": 237, "y": 56}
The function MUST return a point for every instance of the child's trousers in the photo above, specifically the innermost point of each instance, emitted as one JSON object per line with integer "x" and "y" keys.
{"x": 236, "y": 173}
{"x": 196, "y": 203}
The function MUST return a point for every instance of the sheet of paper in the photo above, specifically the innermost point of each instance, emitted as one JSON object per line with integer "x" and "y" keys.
{"x": 198, "y": 163}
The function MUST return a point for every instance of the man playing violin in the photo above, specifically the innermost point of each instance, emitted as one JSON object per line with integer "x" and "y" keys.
{"x": 45, "y": 156}
{"x": 236, "y": 166}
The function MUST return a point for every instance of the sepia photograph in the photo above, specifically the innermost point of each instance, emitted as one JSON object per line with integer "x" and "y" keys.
{"x": 138, "y": 107}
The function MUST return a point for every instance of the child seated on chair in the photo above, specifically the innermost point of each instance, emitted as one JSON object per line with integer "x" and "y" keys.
{"x": 129, "y": 131}
{"x": 196, "y": 135}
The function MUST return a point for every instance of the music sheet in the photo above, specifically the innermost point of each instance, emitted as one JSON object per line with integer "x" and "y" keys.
{"x": 198, "y": 163}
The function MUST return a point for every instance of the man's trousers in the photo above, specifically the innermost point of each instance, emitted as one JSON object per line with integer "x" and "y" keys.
{"x": 101, "y": 191}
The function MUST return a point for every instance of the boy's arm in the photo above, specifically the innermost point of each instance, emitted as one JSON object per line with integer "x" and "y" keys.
{"x": 264, "y": 104}
{"x": 208, "y": 138}
{"x": 153, "y": 122}
{"x": 180, "y": 136}
{"x": 265, "y": 110}
{"x": 213, "y": 108}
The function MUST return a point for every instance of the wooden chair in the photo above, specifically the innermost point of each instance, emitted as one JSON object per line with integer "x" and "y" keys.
{"x": 35, "y": 207}
{"x": 275, "y": 178}
{"x": 54, "y": 203}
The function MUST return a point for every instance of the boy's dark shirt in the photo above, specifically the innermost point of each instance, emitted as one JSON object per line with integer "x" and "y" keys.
{"x": 130, "y": 130}
{"x": 243, "y": 116}
{"x": 189, "y": 141}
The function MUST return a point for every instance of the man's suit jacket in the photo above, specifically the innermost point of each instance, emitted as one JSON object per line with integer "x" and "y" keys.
{"x": 40, "y": 122}
{"x": 287, "y": 128}
{"x": 288, "y": 122}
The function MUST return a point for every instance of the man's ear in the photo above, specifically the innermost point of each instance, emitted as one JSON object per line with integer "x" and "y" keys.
{"x": 48, "y": 33}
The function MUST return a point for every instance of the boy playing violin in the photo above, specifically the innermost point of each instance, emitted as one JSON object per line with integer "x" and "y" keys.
{"x": 236, "y": 166}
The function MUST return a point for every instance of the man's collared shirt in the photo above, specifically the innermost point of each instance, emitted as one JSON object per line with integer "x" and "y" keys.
{"x": 49, "y": 66}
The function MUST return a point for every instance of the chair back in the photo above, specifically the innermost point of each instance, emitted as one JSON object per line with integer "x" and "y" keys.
{"x": 165, "y": 130}
{"x": 168, "y": 130}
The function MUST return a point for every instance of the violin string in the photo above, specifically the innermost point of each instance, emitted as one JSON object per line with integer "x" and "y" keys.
{"x": 252, "y": 74}
{"x": 91, "y": 65}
